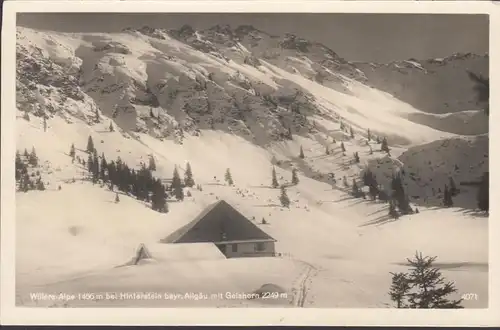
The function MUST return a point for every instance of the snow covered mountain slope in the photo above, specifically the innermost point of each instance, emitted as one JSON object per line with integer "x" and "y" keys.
{"x": 243, "y": 100}
{"x": 415, "y": 81}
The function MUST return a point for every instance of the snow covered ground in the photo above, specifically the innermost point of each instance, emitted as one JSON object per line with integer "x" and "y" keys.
{"x": 335, "y": 251}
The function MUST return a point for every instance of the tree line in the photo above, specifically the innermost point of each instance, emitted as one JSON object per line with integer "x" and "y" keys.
{"x": 139, "y": 183}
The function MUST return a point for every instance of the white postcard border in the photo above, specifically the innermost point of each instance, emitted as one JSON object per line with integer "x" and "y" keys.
{"x": 9, "y": 314}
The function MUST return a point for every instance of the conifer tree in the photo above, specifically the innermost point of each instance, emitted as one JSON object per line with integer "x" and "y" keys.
{"x": 384, "y": 146}
{"x": 26, "y": 154}
{"x": 369, "y": 135}
{"x": 90, "y": 166}
{"x": 18, "y": 166}
{"x": 111, "y": 128}
{"x": 399, "y": 289}
{"x": 351, "y": 132}
{"x": 342, "y": 146}
{"x": 301, "y": 153}
{"x": 342, "y": 126}
{"x": 423, "y": 287}
{"x": 370, "y": 181}
{"x": 188, "y": 176}
{"x": 72, "y": 152}
{"x": 152, "y": 163}
{"x": 103, "y": 169}
{"x": 327, "y": 151}
{"x": 228, "y": 177}
{"x": 117, "y": 198}
{"x": 399, "y": 195}
{"x": 295, "y": 177}
{"x": 159, "y": 198}
{"x": 25, "y": 183}
{"x": 44, "y": 123}
{"x": 274, "y": 182}
{"x": 95, "y": 168}
{"x": 177, "y": 185}
{"x": 285, "y": 201}
{"x": 40, "y": 185}
{"x": 356, "y": 157}
{"x": 346, "y": 184}
{"x": 378, "y": 140}
{"x": 33, "y": 159}
{"x": 90, "y": 145}
{"x": 483, "y": 193}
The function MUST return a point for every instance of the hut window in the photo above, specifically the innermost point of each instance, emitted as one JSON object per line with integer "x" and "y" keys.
{"x": 259, "y": 247}
{"x": 234, "y": 247}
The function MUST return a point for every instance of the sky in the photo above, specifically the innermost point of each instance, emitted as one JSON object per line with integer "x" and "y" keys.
{"x": 356, "y": 37}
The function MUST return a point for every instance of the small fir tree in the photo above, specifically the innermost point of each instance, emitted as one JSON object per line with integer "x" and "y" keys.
{"x": 72, "y": 152}
{"x": 351, "y": 132}
{"x": 228, "y": 177}
{"x": 295, "y": 177}
{"x": 90, "y": 145}
{"x": 152, "y": 163}
{"x": 369, "y": 135}
{"x": 177, "y": 185}
{"x": 90, "y": 166}
{"x": 117, "y": 198}
{"x": 33, "y": 159}
{"x": 301, "y": 153}
{"x": 356, "y": 157}
{"x": 40, "y": 185}
{"x": 274, "y": 182}
{"x": 342, "y": 146}
{"x": 188, "y": 176}
{"x": 384, "y": 146}
{"x": 285, "y": 201}
{"x": 111, "y": 128}
{"x": 423, "y": 286}
{"x": 399, "y": 289}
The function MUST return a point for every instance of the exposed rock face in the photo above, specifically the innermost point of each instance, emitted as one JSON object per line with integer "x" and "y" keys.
{"x": 151, "y": 80}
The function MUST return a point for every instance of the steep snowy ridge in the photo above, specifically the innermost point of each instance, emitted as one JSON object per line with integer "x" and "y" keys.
{"x": 244, "y": 100}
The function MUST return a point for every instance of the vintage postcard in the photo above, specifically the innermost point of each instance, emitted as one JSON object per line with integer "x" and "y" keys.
{"x": 245, "y": 164}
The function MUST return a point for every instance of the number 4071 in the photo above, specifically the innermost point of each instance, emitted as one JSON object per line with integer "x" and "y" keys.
{"x": 470, "y": 296}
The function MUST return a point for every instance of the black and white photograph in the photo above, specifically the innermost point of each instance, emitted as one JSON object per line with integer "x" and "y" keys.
{"x": 251, "y": 160}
